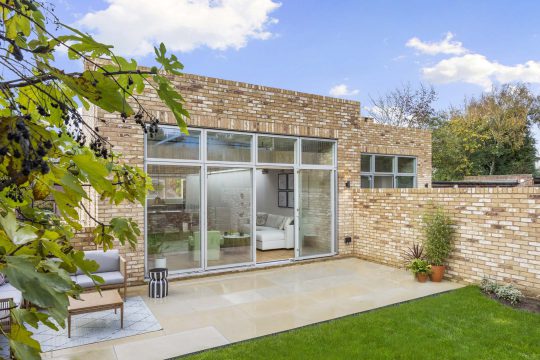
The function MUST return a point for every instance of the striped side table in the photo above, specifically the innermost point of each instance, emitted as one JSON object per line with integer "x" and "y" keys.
{"x": 158, "y": 286}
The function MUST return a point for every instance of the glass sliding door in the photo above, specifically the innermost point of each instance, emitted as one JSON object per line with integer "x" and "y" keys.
{"x": 316, "y": 212}
{"x": 173, "y": 217}
{"x": 201, "y": 214}
{"x": 229, "y": 212}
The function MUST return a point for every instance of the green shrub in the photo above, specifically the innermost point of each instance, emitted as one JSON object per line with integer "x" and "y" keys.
{"x": 419, "y": 266}
{"x": 504, "y": 292}
{"x": 439, "y": 234}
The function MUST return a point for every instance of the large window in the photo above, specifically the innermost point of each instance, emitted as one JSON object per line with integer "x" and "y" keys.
{"x": 201, "y": 212}
{"x": 228, "y": 147}
{"x": 173, "y": 213}
{"x": 317, "y": 152}
{"x": 275, "y": 150}
{"x": 171, "y": 143}
{"x": 387, "y": 171}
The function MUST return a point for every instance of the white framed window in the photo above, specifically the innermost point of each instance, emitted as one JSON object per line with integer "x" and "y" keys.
{"x": 379, "y": 171}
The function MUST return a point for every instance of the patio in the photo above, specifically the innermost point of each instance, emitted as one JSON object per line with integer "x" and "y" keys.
{"x": 213, "y": 311}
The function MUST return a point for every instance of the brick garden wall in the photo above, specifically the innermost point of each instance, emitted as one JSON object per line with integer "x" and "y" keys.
{"x": 497, "y": 230}
{"x": 230, "y": 105}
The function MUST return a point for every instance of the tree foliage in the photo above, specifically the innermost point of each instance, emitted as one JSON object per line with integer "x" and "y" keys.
{"x": 48, "y": 153}
{"x": 490, "y": 136}
{"x": 406, "y": 107}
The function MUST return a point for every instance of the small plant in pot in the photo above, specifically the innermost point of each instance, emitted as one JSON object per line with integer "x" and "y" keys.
{"x": 420, "y": 268}
{"x": 156, "y": 247}
{"x": 439, "y": 234}
{"x": 416, "y": 251}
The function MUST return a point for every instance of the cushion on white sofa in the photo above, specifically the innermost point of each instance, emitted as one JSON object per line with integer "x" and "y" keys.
{"x": 261, "y": 219}
{"x": 274, "y": 221}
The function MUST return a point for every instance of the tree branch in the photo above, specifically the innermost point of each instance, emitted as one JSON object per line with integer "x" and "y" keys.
{"x": 17, "y": 83}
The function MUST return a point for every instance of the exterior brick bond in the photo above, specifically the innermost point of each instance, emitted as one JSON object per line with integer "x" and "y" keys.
{"x": 497, "y": 230}
{"x": 230, "y": 105}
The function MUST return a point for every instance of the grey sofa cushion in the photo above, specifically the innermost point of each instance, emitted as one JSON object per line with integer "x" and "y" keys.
{"x": 110, "y": 278}
{"x": 8, "y": 291}
{"x": 108, "y": 260}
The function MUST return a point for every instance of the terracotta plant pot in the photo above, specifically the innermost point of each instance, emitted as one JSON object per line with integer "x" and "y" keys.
{"x": 437, "y": 273}
{"x": 422, "y": 277}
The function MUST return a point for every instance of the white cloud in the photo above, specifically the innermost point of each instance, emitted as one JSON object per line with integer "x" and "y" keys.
{"x": 445, "y": 46}
{"x": 477, "y": 69}
{"x": 469, "y": 67}
{"x": 343, "y": 90}
{"x": 134, "y": 26}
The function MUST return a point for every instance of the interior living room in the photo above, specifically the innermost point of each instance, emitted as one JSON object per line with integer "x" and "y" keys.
{"x": 275, "y": 215}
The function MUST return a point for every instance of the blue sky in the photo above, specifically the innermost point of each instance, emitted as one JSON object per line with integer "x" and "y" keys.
{"x": 357, "y": 48}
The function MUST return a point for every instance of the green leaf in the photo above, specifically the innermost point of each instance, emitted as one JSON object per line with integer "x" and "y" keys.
{"x": 19, "y": 234}
{"x": 173, "y": 100}
{"x": 22, "y": 344}
{"x": 125, "y": 229}
{"x": 170, "y": 64}
{"x": 46, "y": 290}
{"x": 94, "y": 171}
{"x": 84, "y": 43}
{"x": 97, "y": 88}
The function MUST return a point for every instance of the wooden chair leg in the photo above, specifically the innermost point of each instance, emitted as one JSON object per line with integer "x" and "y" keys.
{"x": 122, "y": 316}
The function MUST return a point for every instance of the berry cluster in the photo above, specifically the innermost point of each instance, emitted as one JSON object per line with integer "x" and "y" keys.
{"x": 15, "y": 193}
{"x": 30, "y": 150}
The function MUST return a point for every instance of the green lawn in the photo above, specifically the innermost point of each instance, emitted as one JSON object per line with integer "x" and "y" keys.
{"x": 463, "y": 324}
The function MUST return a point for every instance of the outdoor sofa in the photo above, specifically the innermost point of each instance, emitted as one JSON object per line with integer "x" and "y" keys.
{"x": 112, "y": 268}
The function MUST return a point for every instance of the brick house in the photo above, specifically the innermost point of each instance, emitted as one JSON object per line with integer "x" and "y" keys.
{"x": 265, "y": 176}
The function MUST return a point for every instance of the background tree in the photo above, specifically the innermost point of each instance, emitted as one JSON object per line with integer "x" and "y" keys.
{"x": 490, "y": 136}
{"x": 406, "y": 107}
{"x": 48, "y": 151}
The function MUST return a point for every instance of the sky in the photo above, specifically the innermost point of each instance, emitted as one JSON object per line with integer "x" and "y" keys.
{"x": 349, "y": 49}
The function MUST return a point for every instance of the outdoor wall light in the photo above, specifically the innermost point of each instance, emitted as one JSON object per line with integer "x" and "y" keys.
{"x": 348, "y": 239}
{"x": 348, "y": 184}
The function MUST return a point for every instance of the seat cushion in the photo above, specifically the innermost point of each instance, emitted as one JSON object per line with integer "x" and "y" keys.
{"x": 9, "y": 291}
{"x": 107, "y": 260}
{"x": 270, "y": 235}
{"x": 110, "y": 278}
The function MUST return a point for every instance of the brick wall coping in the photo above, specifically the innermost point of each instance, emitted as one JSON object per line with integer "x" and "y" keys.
{"x": 501, "y": 190}
{"x": 262, "y": 88}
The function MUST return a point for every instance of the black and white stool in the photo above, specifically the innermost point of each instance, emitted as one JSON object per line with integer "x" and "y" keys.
{"x": 158, "y": 286}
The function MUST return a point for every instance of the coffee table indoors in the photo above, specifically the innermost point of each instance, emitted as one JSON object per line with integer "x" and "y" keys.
{"x": 94, "y": 302}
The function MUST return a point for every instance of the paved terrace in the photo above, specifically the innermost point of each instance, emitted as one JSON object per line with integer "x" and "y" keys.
{"x": 213, "y": 311}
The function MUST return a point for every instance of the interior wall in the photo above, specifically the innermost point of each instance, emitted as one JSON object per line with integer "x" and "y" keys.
{"x": 267, "y": 193}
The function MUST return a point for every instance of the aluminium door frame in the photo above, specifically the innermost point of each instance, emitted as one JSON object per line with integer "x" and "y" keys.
{"x": 333, "y": 196}
{"x": 253, "y": 165}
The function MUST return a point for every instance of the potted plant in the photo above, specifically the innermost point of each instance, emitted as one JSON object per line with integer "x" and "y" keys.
{"x": 156, "y": 247}
{"x": 416, "y": 251}
{"x": 439, "y": 234}
{"x": 420, "y": 268}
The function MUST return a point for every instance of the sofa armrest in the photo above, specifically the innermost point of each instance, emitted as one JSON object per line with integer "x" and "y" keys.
{"x": 123, "y": 271}
{"x": 123, "y": 267}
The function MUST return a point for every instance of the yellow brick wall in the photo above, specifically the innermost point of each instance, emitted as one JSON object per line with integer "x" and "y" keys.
{"x": 230, "y": 105}
{"x": 497, "y": 230}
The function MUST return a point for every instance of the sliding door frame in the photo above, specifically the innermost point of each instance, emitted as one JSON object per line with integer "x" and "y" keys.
{"x": 253, "y": 165}
{"x": 333, "y": 198}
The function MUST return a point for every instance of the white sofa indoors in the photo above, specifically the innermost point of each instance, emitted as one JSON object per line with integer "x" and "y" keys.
{"x": 273, "y": 232}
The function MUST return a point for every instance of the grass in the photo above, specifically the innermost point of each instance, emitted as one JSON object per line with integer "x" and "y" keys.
{"x": 462, "y": 324}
